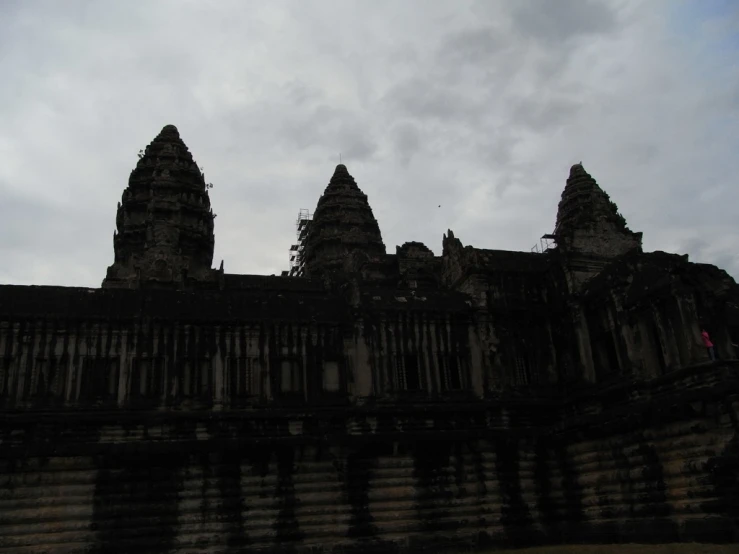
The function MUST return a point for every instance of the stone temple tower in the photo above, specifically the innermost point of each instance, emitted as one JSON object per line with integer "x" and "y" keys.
{"x": 589, "y": 231}
{"x": 164, "y": 236}
{"x": 343, "y": 227}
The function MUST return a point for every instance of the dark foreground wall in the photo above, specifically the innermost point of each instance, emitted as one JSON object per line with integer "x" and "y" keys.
{"x": 653, "y": 462}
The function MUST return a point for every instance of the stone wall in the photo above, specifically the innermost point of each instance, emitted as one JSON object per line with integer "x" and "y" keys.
{"x": 55, "y": 364}
{"x": 136, "y": 364}
{"x": 642, "y": 462}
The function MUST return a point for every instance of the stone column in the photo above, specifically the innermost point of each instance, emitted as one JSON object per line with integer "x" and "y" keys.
{"x": 478, "y": 365}
{"x": 219, "y": 371}
{"x": 124, "y": 369}
{"x": 672, "y": 355}
{"x": 358, "y": 356}
{"x": 685, "y": 324}
{"x": 583, "y": 343}
{"x": 623, "y": 336}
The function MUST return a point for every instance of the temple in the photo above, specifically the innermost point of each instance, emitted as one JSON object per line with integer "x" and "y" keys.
{"x": 369, "y": 401}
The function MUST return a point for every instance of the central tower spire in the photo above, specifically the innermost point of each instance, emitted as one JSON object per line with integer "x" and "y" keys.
{"x": 343, "y": 224}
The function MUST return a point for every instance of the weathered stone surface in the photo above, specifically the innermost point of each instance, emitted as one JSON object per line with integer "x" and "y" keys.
{"x": 343, "y": 225}
{"x": 164, "y": 222}
{"x": 589, "y": 221}
{"x": 589, "y": 230}
{"x": 389, "y": 403}
{"x": 585, "y": 468}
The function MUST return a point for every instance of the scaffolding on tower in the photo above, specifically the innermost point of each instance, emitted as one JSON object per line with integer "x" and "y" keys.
{"x": 297, "y": 250}
{"x": 546, "y": 243}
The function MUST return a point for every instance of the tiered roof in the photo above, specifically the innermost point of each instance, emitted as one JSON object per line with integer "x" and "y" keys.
{"x": 343, "y": 224}
{"x": 164, "y": 221}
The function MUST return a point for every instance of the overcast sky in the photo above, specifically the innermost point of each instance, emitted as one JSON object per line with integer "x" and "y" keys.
{"x": 480, "y": 107}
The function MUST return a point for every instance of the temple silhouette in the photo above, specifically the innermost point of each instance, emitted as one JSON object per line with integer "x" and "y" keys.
{"x": 367, "y": 401}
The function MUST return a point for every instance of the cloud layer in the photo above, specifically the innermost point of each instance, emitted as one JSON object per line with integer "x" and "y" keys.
{"x": 463, "y": 115}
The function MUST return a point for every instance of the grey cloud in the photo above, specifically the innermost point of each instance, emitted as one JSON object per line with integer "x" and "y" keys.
{"x": 302, "y": 94}
{"x": 37, "y": 239}
{"x": 727, "y": 261}
{"x": 311, "y": 129}
{"x": 14, "y": 209}
{"x": 544, "y": 114}
{"x": 423, "y": 98}
{"x": 356, "y": 144}
{"x": 473, "y": 46}
{"x": 407, "y": 141}
{"x": 495, "y": 148}
{"x": 562, "y": 20}
{"x": 642, "y": 153}
{"x": 404, "y": 55}
{"x": 695, "y": 245}
{"x": 332, "y": 129}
